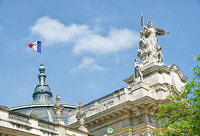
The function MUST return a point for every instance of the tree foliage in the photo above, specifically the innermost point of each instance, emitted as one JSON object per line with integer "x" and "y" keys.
{"x": 182, "y": 114}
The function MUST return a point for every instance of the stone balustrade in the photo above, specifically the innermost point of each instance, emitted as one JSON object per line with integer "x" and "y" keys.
{"x": 43, "y": 123}
{"x": 25, "y": 118}
{"x": 17, "y": 116}
{"x": 19, "y": 124}
{"x": 101, "y": 104}
{"x": 98, "y": 101}
{"x": 134, "y": 105}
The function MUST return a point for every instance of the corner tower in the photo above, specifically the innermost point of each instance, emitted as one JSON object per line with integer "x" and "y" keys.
{"x": 129, "y": 111}
{"x": 42, "y": 92}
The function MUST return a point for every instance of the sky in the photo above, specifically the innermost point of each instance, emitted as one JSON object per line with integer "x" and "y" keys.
{"x": 88, "y": 46}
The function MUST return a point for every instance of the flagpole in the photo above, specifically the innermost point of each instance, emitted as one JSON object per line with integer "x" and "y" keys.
{"x": 41, "y": 58}
{"x": 41, "y": 54}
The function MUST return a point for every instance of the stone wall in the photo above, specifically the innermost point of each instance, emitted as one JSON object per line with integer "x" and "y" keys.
{"x": 132, "y": 107}
{"x": 15, "y": 124}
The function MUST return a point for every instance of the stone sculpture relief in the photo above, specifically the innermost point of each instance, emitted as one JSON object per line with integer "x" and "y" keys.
{"x": 137, "y": 71}
{"x": 170, "y": 89}
{"x": 81, "y": 117}
{"x": 58, "y": 110}
{"x": 148, "y": 50}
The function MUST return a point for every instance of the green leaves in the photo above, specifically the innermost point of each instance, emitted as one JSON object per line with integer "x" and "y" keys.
{"x": 183, "y": 110}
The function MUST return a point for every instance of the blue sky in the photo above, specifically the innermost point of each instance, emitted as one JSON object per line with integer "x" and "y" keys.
{"x": 88, "y": 45}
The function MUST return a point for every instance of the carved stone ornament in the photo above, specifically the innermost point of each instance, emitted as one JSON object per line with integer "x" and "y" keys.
{"x": 148, "y": 50}
{"x": 58, "y": 110}
{"x": 176, "y": 82}
{"x": 138, "y": 76}
{"x": 81, "y": 117}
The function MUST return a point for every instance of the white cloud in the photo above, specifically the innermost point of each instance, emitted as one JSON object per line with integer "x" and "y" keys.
{"x": 89, "y": 63}
{"x": 52, "y": 30}
{"x": 117, "y": 40}
{"x": 83, "y": 38}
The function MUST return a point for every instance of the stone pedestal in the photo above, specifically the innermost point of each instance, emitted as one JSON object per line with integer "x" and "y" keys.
{"x": 59, "y": 122}
{"x": 129, "y": 110}
{"x": 133, "y": 107}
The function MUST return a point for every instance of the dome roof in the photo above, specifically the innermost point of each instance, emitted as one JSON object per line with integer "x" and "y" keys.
{"x": 42, "y": 93}
{"x": 44, "y": 112}
{"x": 42, "y": 106}
{"x": 42, "y": 89}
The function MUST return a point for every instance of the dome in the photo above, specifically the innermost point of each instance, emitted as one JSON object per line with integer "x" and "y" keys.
{"x": 42, "y": 89}
{"x": 42, "y": 105}
{"x": 42, "y": 92}
{"x": 44, "y": 112}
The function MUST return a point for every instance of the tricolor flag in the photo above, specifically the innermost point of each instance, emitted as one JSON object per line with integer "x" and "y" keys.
{"x": 36, "y": 46}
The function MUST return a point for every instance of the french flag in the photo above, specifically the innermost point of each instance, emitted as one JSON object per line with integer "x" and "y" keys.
{"x": 36, "y": 46}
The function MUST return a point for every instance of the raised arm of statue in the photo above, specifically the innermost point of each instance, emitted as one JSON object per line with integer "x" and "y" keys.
{"x": 145, "y": 28}
{"x": 160, "y": 31}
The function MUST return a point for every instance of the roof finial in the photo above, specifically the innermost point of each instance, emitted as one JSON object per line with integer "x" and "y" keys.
{"x": 58, "y": 110}
{"x": 42, "y": 75}
{"x": 42, "y": 93}
{"x": 81, "y": 117}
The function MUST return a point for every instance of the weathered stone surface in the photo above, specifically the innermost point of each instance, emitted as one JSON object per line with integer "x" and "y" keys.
{"x": 130, "y": 110}
{"x": 15, "y": 124}
{"x": 58, "y": 109}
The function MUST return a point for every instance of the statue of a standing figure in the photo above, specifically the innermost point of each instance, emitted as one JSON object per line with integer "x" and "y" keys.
{"x": 159, "y": 55}
{"x": 148, "y": 42}
{"x": 58, "y": 110}
{"x": 137, "y": 71}
{"x": 81, "y": 117}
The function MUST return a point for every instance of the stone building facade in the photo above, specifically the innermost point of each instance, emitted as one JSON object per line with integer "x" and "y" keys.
{"x": 132, "y": 108}
{"x": 129, "y": 111}
{"x": 124, "y": 112}
{"x": 41, "y": 118}
{"x": 17, "y": 124}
